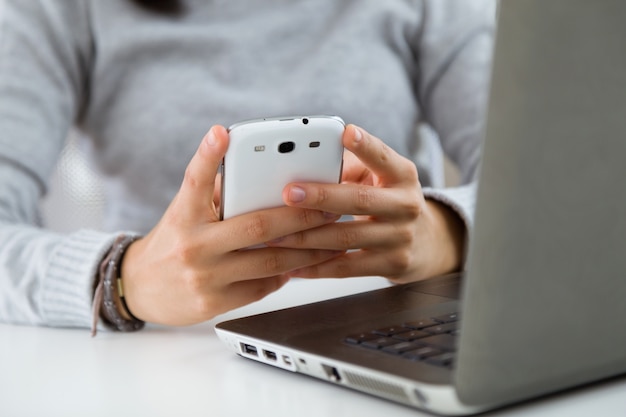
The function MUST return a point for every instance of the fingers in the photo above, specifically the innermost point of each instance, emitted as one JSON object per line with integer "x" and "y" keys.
{"x": 217, "y": 192}
{"x": 380, "y": 187}
{"x": 359, "y": 263}
{"x": 354, "y": 199}
{"x": 353, "y": 170}
{"x": 384, "y": 162}
{"x": 348, "y": 235}
{"x": 376, "y": 182}
{"x": 194, "y": 202}
{"x": 265, "y": 225}
{"x": 266, "y": 262}
{"x": 244, "y": 277}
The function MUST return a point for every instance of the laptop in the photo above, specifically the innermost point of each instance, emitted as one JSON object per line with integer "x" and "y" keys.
{"x": 541, "y": 304}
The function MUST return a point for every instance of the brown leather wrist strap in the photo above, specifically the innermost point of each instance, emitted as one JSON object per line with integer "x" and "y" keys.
{"x": 108, "y": 291}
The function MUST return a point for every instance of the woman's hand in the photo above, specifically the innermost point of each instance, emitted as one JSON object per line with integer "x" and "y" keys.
{"x": 396, "y": 232}
{"x": 190, "y": 268}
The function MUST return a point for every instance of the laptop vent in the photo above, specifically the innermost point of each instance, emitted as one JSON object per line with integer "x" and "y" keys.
{"x": 376, "y": 386}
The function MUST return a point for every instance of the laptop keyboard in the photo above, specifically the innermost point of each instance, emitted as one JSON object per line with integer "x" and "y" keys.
{"x": 431, "y": 340}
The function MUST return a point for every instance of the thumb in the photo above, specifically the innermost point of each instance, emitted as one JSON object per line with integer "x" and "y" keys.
{"x": 195, "y": 198}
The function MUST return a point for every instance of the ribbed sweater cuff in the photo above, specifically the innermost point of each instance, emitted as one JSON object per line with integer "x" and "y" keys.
{"x": 69, "y": 284}
{"x": 461, "y": 199}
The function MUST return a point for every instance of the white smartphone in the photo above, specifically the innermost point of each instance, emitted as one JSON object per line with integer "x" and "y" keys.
{"x": 264, "y": 155}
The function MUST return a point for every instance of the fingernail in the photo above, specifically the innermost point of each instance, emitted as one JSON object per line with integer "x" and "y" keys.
{"x": 296, "y": 195}
{"x": 357, "y": 134}
{"x": 211, "y": 140}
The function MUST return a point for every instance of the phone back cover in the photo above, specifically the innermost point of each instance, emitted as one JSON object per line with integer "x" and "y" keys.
{"x": 255, "y": 172}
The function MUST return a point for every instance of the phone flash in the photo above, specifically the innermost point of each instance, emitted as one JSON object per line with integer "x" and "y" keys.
{"x": 259, "y": 148}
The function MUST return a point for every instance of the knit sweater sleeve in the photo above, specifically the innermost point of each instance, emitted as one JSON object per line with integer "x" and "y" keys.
{"x": 455, "y": 51}
{"x": 45, "y": 278}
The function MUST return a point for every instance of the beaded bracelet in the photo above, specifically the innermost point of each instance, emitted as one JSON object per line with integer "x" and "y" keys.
{"x": 109, "y": 290}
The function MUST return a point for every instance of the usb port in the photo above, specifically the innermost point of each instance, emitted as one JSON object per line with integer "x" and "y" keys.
{"x": 332, "y": 373}
{"x": 249, "y": 349}
{"x": 269, "y": 355}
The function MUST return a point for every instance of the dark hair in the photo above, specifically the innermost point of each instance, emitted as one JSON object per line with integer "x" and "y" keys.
{"x": 165, "y": 7}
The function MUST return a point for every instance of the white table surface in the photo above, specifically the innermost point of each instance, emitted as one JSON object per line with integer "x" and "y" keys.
{"x": 188, "y": 372}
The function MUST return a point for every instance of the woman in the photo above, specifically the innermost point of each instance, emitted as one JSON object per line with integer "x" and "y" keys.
{"x": 144, "y": 79}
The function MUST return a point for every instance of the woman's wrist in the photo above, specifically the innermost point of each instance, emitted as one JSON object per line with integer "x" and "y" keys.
{"x": 450, "y": 236}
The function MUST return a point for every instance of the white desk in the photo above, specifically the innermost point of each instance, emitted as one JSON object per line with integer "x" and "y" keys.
{"x": 187, "y": 372}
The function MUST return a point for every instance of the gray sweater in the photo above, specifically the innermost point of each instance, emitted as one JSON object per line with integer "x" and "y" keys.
{"x": 145, "y": 87}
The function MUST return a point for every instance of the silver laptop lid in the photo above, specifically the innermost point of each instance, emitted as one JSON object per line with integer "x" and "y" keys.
{"x": 545, "y": 296}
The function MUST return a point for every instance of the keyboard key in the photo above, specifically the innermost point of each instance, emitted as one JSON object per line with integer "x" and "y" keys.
{"x": 422, "y": 353}
{"x": 389, "y": 331}
{"x": 420, "y": 323}
{"x": 379, "y": 343}
{"x": 441, "y": 328}
{"x": 441, "y": 341}
{"x": 431, "y": 340}
{"x": 402, "y": 347}
{"x": 411, "y": 335}
{"x": 357, "y": 338}
{"x": 447, "y": 318}
{"x": 443, "y": 359}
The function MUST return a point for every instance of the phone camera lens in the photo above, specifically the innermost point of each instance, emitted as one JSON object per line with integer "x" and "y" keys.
{"x": 305, "y": 121}
{"x": 286, "y": 147}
